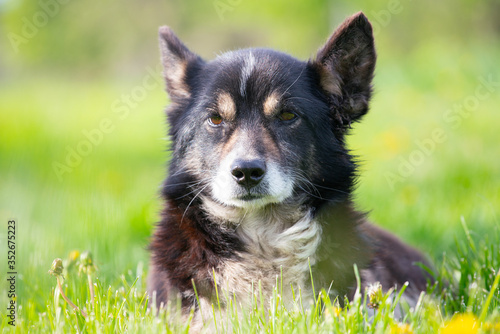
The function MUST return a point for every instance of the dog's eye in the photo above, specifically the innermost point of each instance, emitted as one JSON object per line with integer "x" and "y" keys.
{"x": 287, "y": 116}
{"x": 215, "y": 120}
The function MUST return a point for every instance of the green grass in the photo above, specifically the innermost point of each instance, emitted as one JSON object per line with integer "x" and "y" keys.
{"x": 108, "y": 203}
{"x": 471, "y": 289}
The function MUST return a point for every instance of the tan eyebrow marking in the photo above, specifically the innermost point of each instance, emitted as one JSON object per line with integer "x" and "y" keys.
{"x": 271, "y": 104}
{"x": 226, "y": 106}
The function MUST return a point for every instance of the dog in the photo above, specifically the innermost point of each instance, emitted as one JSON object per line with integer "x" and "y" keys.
{"x": 260, "y": 179}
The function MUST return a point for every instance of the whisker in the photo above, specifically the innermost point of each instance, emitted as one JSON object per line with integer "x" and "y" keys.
{"x": 192, "y": 170}
{"x": 309, "y": 184}
{"x": 185, "y": 211}
{"x": 190, "y": 183}
{"x": 307, "y": 192}
{"x": 192, "y": 191}
{"x": 299, "y": 98}
{"x": 293, "y": 83}
{"x": 333, "y": 189}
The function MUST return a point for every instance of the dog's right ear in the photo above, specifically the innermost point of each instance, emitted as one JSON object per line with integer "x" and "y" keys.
{"x": 345, "y": 65}
{"x": 178, "y": 64}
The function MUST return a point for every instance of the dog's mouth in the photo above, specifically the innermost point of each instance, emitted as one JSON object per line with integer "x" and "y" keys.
{"x": 250, "y": 197}
{"x": 252, "y": 200}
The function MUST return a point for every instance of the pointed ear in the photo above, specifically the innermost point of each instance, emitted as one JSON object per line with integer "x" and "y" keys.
{"x": 345, "y": 65}
{"x": 178, "y": 63}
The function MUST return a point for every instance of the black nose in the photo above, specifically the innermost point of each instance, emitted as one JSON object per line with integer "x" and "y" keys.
{"x": 248, "y": 173}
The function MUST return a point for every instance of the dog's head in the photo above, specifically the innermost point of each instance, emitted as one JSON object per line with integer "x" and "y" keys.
{"x": 256, "y": 126}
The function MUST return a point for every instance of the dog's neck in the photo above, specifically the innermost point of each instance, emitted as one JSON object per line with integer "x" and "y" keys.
{"x": 279, "y": 240}
{"x": 261, "y": 229}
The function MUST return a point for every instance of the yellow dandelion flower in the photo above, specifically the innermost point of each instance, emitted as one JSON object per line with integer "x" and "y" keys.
{"x": 74, "y": 255}
{"x": 332, "y": 312}
{"x": 336, "y": 311}
{"x": 398, "y": 328}
{"x": 489, "y": 327}
{"x": 461, "y": 324}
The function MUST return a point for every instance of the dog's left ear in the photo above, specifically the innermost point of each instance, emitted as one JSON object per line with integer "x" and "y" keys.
{"x": 345, "y": 65}
{"x": 178, "y": 64}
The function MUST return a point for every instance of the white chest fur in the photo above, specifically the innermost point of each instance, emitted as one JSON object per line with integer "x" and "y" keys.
{"x": 280, "y": 246}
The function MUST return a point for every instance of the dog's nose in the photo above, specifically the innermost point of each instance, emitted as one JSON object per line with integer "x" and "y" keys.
{"x": 248, "y": 173}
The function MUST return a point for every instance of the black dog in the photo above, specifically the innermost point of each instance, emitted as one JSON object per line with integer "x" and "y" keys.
{"x": 260, "y": 179}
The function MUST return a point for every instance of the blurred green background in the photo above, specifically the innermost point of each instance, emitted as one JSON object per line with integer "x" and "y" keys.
{"x": 83, "y": 135}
